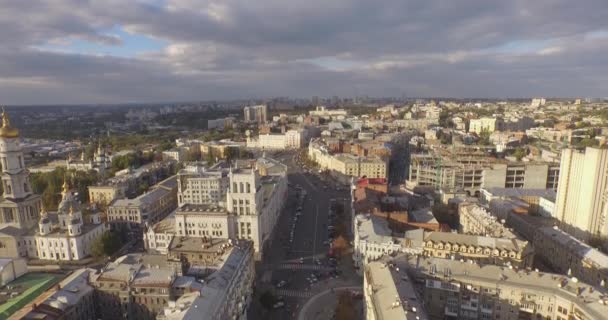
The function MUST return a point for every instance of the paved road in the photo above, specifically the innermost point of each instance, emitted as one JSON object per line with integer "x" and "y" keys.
{"x": 282, "y": 261}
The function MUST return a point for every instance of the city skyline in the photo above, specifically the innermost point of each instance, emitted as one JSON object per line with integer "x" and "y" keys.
{"x": 145, "y": 51}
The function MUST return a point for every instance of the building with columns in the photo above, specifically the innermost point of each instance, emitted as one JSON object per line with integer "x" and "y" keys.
{"x": 254, "y": 197}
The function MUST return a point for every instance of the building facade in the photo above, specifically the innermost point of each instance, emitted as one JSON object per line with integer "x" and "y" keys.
{"x": 582, "y": 197}
{"x": 149, "y": 207}
{"x": 257, "y": 114}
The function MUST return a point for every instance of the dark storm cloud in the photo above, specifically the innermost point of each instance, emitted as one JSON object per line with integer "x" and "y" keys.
{"x": 234, "y": 49}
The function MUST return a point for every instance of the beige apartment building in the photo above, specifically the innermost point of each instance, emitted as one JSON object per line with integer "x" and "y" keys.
{"x": 582, "y": 197}
{"x": 104, "y": 195}
{"x": 476, "y": 220}
{"x": 149, "y": 207}
{"x": 484, "y": 250}
{"x": 486, "y": 124}
{"x": 347, "y": 164}
{"x": 459, "y": 290}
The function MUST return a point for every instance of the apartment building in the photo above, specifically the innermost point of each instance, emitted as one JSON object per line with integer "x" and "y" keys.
{"x": 389, "y": 292}
{"x": 476, "y": 220}
{"x": 134, "y": 286}
{"x": 348, "y": 164}
{"x": 484, "y": 250}
{"x": 373, "y": 239}
{"x": 254, "y": 197}
{"x": 582, "y": 202}
{"x": 257, "y": 113}
{"x": 459, "y": 290}
{"x": 471, "y": 174}
{"x": 197, "y": 185}
{"x": 104, "y": 195}
{"x": 226, "y": 293}
{"x": 73, "y": 298}
{"x": 486, "y": 124}
{"x": 149, "y": 207}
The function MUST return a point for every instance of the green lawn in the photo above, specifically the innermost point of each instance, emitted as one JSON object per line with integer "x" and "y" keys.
{"x": 36, "y": 284}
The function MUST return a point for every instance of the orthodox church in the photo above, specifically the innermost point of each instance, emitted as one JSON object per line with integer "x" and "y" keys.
{"x": 100, "y": 162}
{"x": 26, "y": 228}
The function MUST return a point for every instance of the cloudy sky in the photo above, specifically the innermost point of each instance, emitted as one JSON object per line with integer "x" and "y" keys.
{"x": 114, "y": 51}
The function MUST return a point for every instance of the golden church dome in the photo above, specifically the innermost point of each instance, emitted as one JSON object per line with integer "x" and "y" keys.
{"x": 7, "y": 131}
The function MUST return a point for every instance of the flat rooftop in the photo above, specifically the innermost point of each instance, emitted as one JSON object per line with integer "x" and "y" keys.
{"x": 391, "y": 284}
{"x": 493, "y": 276}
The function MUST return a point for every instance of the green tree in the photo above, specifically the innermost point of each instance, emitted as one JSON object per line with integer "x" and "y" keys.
{"x": 484, "y": 137}
{"x": 107, "y": 244}
{"x": 520, "y": 153}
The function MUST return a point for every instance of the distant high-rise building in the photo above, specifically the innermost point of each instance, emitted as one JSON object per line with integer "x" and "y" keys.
{"x": 257, "y": 113}
{"x": 582, "y": 196}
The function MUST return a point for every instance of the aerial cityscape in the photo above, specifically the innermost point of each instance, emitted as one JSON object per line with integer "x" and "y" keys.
{"x": 240, "y": 160}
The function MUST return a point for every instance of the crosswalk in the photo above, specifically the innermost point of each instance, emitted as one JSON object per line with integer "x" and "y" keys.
{"x": 294, "y": 293}
{"x": 297, "y": 266}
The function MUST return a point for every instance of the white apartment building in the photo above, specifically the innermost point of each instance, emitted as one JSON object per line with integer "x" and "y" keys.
{"x": 476, "y": 220}
{"x": 323, "y": 112}
{"x": 255, "y": 196}
{"x": 373, "y": 239}
{"x": 582, "y": 196}
{"x": 197, "y": 185}
{"x": 158, "y": 237}
{"x": 292, "y": 139}
{"x": 485, "y": 124}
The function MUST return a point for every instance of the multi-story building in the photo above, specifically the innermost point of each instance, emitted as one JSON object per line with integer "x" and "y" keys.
{"x": 476, "y": 220}
{"x": 226, "y": 293}
{"x": 158, "y": 237}
{"x": 104, "y": 195}
{"x": 73, "y": 298}
{"x": 323, "y": 112}
{"x": 176, "y": 154}
{"x": 150, "y": 207}
{"x": 257, "y": 114}
{"x": 373, "y": 239}
{"x": 134, "y": 286}
{"x": 197, "y": 185}
{"x": 255, "y": 196}
{"x": 582, "y": 197}
{"x": 390, "y": 293}
{"x": 471, "y": 174}
{"x": 347, "y": 164}
{"x": 570, "y": 256}
{"x": 454, "y": 289}
{"x": 486, "y": 125}
{"x": 484, "y": 250}
{"x": 291, "y": 139}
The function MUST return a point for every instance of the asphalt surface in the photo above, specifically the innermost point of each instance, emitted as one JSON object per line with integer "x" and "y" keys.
{"x": 296, "y": 260}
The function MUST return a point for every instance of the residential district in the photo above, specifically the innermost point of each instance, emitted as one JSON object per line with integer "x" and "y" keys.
{"x": 332, "y": 209}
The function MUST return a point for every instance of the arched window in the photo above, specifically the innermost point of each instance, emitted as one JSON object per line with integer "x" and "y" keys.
{"x": 26, "y": 188}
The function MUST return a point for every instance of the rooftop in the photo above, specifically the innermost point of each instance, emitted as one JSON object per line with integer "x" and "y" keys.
{"x": 374, "y": 229}
{"x": 587, "y": 298}
{"x": 473, "y": 240}
{"x": 587, "y": 253}
{"x": 549, "y": 194}
{"x": 394, "y": 296}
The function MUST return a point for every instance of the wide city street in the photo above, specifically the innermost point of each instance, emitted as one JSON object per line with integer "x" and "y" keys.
{"x": 297, "y": 266}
